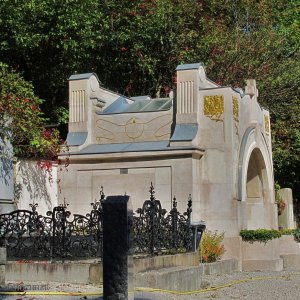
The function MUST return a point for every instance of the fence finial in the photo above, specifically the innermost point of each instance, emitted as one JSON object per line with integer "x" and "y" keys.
{"x": 102, "y": 196}
{"x": 33, "y": 206}
{"x": 174, "y": 202}
{"x": 65, "y": 204}
{"x": 152, "y": 192}
{"x": 189, "y": 208}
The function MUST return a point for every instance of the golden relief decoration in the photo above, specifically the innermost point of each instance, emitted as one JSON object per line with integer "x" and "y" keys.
{"x": 235, "y": 109}
{"x": 267, "y": 124}
{"x": 134, "y": 128}
{"x": 235, "y": 113}
{"x": 214, "y": 107}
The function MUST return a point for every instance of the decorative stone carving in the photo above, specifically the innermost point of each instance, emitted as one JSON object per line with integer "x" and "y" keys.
{"x": 77, "y": 106}
{"x": 251, "y": 89}
{"x": 133, "y": 128}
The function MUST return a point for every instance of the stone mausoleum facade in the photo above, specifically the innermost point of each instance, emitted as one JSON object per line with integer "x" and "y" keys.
{"x": 210, "y": 141}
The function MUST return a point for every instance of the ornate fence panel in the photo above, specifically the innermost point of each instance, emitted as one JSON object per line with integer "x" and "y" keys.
{"x": 155, "y": 231}
{"x": 26, "y": 234}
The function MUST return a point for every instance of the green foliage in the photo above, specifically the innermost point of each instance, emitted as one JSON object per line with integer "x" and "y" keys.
{"x": 62, "y": 115}
{"x": 21, "y": 119}
{"x": 294, "y": 232}
{"x": 260, "y": 235}
{"x": 287, "y": 231}
{"x": 134, "y": 47}
{"x": 48, "y": 40}
{"x": 211, "y": 248}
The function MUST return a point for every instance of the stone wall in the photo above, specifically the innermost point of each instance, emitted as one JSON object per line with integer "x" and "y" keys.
{"x": 35, "y": 184}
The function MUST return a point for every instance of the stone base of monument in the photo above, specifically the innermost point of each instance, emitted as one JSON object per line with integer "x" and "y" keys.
{"x": 176, "y": 279}
{"x": 89, "y": 271}
{"x": 263, "y": 265}
{"x": 260, "y": 256}
{"x": 287, "y": 245}
{"x": 182, "y": 278}
{"x": 289, "y": 252}
{"x": 2, "y": 265}
{"x": 69, "y": 272}
{"x": 233, "y": 247}
{"x": 291, "y": 261}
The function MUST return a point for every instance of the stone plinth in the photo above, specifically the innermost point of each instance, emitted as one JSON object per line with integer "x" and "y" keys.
{"x": 288, "y": 245}
{"x": 286, "y": 219}
{"x": 2, "y": 265}
{"x": 260, "y": 256}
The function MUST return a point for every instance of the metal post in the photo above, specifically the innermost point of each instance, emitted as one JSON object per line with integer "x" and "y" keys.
{"x": 153, "y": 222}
{"x": 198, "y": 229}
{"x": 174, "y": 216}
{"x": 117, "y": 248}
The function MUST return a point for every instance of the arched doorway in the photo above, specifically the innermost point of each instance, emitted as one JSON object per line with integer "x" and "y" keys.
{"x": 258, "y": 196}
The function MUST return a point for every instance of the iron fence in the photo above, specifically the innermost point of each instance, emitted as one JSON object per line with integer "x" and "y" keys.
{"x": 27, "y": 234}
{"x": 155, "y": 231}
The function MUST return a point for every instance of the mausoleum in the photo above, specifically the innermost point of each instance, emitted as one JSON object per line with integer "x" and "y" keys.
{"x": 210, "y": 141}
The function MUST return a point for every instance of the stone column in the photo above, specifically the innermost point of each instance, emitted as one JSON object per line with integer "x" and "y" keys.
{"x": 286, "y": 219}
{"x": 117, "y": 248}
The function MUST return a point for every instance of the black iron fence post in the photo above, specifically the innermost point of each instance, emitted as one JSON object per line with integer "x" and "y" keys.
{"x": 152, "y": 220}
{"x": 174, "y": 217}
{"x": 53, "y": 221}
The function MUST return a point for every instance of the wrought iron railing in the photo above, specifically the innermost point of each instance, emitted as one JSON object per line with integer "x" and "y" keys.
{"x": 155, "y": 231}
{"x": 27, "y": 234}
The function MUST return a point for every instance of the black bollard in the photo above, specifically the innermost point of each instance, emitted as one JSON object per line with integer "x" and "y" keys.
{"x": 117, "y": 248}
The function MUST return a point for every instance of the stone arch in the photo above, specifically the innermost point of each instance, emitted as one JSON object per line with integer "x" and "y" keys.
{"x": 255, "y": 182}
{"x": 255, "y": 179}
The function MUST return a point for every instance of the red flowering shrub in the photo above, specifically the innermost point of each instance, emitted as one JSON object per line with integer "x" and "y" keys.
{"x": 21, "y": 120}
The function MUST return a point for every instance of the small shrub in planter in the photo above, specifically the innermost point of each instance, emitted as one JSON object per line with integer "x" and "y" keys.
{"x": 296, "y": 233}
{"x": 211, "y": 248}
{"x": 260, "y": 235}
{"x": 287, "y": 231}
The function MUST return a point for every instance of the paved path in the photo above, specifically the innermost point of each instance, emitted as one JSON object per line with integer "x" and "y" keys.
{"x": 241, "y": 285}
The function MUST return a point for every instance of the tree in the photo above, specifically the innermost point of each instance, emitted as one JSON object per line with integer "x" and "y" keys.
{"x": 22, "y": 122}
{"x": 134, "y": 47}
{"x": 47, "y": 41}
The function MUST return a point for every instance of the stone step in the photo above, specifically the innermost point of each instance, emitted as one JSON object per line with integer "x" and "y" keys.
{"x": 184, "y": 278}
{"x": 175, "y": 279}
{"x": 253, "y": 265}
{"x": 291, "y": 261}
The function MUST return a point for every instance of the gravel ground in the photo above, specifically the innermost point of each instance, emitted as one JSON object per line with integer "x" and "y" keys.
{"x": 241, "y": 285}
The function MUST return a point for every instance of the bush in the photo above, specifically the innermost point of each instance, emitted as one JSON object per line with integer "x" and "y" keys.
{"x": 21, "y": 119}
{"x": 287, "y": 231}
{"x": 260, "y": 235}
{"x": 211, "y": 246}
{"x": 294, "y": 232}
